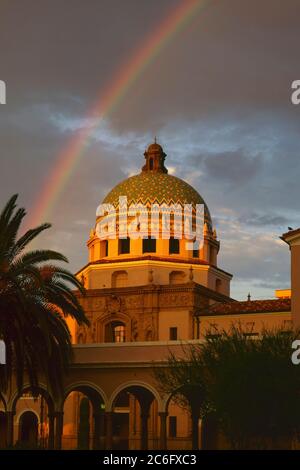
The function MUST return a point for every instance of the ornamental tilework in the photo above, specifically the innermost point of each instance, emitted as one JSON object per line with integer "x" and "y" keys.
{"x": 161, "y": 188}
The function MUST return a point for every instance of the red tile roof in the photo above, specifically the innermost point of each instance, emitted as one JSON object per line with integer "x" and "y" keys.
{"x": 250, "y": 306}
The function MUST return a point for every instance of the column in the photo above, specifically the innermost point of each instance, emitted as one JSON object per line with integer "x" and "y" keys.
{"x": 144, "y": 429}
{"x": 97, "y": 429}
{"x": 51, "y": 418}
{"x": 59, "y": 417}
{"x": 195, "y": 430}
{"x": 10, "y": 428}
{"x": 109, "y": 430}
{"x": 163, "y": 430}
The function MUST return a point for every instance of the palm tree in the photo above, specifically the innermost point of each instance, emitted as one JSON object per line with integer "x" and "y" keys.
{"x": 35, "y": 297}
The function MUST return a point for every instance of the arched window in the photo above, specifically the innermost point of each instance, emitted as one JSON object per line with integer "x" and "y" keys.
{"x": 119, "y": 279}
{"x": 28, "y": 428}
{"x": 115, "y": 332}
{"x": 177, "y": 277}
{"x": 151, "y": 164}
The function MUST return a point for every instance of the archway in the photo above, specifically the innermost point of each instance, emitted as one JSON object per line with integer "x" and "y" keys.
{"x": 133, "y": 422}
{"x": 40, "y": 403}
{"x": 28, "y": 429}
{"x": 178, "y": 424}
{"x": 183, "y": 410}
{"x": 83, "y": 423}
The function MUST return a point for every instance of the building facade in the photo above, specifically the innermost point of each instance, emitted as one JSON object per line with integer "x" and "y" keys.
{"x": 146, "y": 297}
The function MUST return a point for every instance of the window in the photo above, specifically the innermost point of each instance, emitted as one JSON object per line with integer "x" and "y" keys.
{"x": 151, "y": 164}
{"x": 173, "y": 333}
{"x": 172, "y": 426}
{"x": 103, "y": 248}
{"x": 173, "y": 246}
{"x": 115, "y": 332}
{"x": 119, "y": 334}
{"x": 149, "y": 245}
{"x": 124, "y": 246}
{"x": 195, "y": 253}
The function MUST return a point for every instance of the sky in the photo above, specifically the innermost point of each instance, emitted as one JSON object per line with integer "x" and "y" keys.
{"x": 217, "y": 96}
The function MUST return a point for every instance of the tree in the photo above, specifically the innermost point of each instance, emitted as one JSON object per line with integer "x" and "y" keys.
{"x": 251, "y": 386}
{"x": 35, "y": 298}
{"x": 182, "y": 380}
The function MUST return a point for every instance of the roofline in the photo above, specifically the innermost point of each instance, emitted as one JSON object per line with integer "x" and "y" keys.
{"x": 287, "y": 237}
{"x": 188, "y": 286}
{"x": 210, "y": 312}
{"x": 106, "y": 261}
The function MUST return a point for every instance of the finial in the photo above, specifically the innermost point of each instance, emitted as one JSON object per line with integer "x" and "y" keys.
{"x": 155, "y": 139}
{"x": 249, "y": 297}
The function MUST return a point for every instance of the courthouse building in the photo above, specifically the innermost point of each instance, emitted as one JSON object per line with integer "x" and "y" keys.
{"x": 145, "y": 298}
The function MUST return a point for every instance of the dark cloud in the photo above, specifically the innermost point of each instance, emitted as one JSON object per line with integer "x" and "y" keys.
{"x": 232, "y": 167}
{"x": 217, "y": 96}
{"x": 263, "y": 220}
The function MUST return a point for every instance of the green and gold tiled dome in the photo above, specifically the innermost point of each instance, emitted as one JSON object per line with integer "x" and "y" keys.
{"x": 155, "y": 185}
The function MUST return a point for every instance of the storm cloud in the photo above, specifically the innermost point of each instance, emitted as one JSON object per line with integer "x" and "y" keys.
{"x": 217, "y": 97}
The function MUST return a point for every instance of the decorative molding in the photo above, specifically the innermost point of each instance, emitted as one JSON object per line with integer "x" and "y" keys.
{"x": 175, "y": 299}
{"x": 134, "y": 301}
{"x": 113, "y": 304}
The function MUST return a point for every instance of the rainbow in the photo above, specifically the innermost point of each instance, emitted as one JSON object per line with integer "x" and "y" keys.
{"x": 107, "y": 102}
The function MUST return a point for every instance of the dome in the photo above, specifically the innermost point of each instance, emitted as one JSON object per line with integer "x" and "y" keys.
{"x": 155, "y": 147}
{"x": 155, "y": 185}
